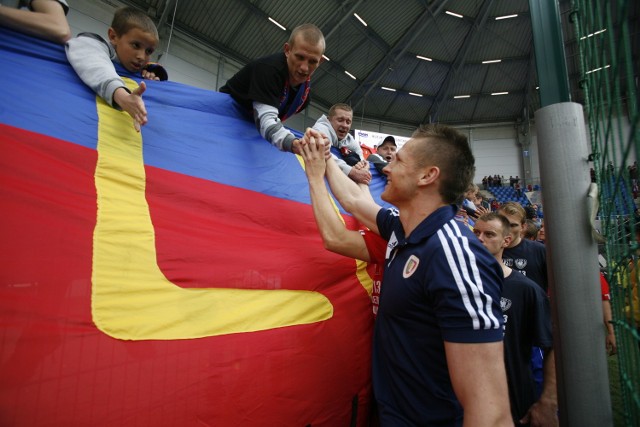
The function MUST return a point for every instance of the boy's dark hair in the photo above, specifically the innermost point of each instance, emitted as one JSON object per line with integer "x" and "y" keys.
{"x": 127, "y": 18}
{"x": 449, "y": 150}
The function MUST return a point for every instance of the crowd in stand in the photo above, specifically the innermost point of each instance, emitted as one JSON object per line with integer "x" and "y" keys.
{"x": 492, "y": 181}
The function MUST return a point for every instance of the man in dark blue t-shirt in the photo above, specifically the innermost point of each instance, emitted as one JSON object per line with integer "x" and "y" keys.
{"x": 437, "y": 351}
{"x": 525, "y": 256}
{"x": 527, "y": 319}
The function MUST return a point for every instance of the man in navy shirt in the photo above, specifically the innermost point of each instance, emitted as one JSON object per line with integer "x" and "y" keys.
{"x": 527, "y": 318}
{"x": 525, "y": 256}
{"x": 438, "y": 354}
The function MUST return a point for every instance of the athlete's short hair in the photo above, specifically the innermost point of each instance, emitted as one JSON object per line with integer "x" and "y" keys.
{"x": 127, "y": 18}
{"x": 449, "y": 150}
{"x": 309, "y": 33}
{"x": 515, "y": 209}
{"x": 504, "y": 222}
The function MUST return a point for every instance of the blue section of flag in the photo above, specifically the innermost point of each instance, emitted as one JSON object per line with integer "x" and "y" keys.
{"x": 192, "y": 131}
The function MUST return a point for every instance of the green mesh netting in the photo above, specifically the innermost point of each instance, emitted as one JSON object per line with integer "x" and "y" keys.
{"x": 607, "y": 33}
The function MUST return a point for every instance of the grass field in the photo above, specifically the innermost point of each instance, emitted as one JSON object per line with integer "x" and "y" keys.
{"x": 616, "y": 395}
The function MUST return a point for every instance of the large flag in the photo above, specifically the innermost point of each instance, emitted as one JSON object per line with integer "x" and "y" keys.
{"x": 173, "y": 277}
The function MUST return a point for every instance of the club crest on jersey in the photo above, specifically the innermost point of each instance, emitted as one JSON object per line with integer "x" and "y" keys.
{"x": 505, "y": 304}
{"x": 520, "y": 263}
{"x": 410, "y": 266}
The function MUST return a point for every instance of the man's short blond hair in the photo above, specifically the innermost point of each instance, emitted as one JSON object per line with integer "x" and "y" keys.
{"x": 309, "y": 33}
{"x": 339, "y": 106}
{"x": 514, "y": 209}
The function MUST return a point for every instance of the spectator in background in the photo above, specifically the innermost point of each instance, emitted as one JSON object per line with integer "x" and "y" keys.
{"x": 531, "y": 213}
{"x": 610, "y": 339}
{"x": 336, "y": 128}
{"x": 45, "y": 19}
{"x": 481, "y": 201}
{"x": 518, "y": 189}
{"x": 387, "y": 150}
{"x": 541, "y": 236}
{"x": 385, "y": 153}
{"x": 530, "y": 231}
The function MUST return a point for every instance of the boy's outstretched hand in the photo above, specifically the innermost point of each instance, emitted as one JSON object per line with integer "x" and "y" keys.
{"x": 132, "y": 103}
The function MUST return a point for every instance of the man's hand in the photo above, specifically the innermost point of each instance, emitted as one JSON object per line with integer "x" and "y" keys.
{"x": 480, "y": 210}
{"x": 610, "y": 343}
{"x": 327, "y": 146}
{"x": 296, "y": 146}
{"x": 132, "y": 103}
{"x": 543, "y": 413}
{"x": 313, "y": 155}
{"x": 361, "y": 174}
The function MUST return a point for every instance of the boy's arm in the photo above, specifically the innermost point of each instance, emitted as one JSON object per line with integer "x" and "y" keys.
{"x": 47, "y": 20}
{"x": 90, "y": 57}
{"x": 91, "y": 60}
{"x": 351, "y": 197}
{"x": 335, "y": 236}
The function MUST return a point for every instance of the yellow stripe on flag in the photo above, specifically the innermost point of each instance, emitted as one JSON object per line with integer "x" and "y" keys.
{"x": 131, "y": 297}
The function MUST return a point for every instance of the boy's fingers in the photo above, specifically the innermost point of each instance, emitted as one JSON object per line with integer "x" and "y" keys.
{"x": 140, "y": 89}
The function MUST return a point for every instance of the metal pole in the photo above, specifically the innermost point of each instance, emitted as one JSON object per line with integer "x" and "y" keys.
{"x": 572, "y": 257}
{"x": 572, "y": 254}
{"x": 549, "y": 48}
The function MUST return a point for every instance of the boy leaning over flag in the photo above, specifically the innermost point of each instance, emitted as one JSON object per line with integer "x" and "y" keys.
{"x": 133, "y": 37}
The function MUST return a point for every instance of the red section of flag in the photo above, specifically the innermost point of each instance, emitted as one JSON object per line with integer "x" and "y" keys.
{"x": 57, "y": 369}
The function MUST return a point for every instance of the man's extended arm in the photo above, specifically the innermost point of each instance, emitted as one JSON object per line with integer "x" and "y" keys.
{"x": 351, "y": 197}
{"x": 272, "y": 129}
{"x": 480, "y": 382}
{"x": 335, "y": 236}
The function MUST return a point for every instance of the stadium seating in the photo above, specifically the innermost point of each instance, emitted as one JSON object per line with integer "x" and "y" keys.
{"x": 508, "y": 194}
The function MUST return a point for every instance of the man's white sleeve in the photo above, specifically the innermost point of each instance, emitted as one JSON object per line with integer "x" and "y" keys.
{"x": 271, "y": 128}
{"x": 90, "y": 58}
